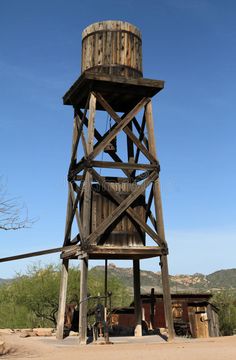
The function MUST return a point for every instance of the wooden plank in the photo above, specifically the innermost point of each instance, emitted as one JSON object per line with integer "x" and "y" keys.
{"x": 125, "y": 121}
{"x": 62, "y": 300}
{"x": 37, "y": 253}
{"x": 121, "y": 124}
{"x": 139, "y": 129}
{"x": 141, "y": 86}
{"x": 81, "y": 122}
{"x": 156, "y": 184}
{"x": 137, "y": 299}
{"x": 86, "y": 227}
{"x": 129, "y": 211}
{"x": 123, "y": 206}
{"x": 83, "y": 303}
{"x": 160, "y": 227}
{"x": 141, "y": 136}
{"x": 130, "y": 146}
{"x": 78, "y": 124}
{"x": 167, "y": 297}
{"x": 113, "y": 155}
{"x": 69, "y": 219}
{"x": 123, "y": 165}
{"x": 116, "y": 252}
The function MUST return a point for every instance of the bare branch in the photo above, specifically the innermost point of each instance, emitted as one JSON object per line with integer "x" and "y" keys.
{"x": 13, "y": 214}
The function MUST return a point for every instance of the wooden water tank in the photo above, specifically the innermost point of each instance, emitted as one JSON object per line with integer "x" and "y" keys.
{"x": 112, "y": 47}
{"x": 124, "y": 232}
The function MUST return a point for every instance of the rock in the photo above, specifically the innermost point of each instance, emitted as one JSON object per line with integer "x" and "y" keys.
{"x": 24, "y": 334}
{"x": 3, "y": 349}
{"x": 6, "y": 331}
{"x": 74, "y": 333}
{"x": 43, "y": 331}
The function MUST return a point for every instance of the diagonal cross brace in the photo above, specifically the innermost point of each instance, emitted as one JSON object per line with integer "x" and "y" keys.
{"x": 99, "y": 137}
{"x": 124, "y": 205}
{"x": 129, "y": 210}
{"x": 121, "y": 125}
{"x": 128, "y": 117}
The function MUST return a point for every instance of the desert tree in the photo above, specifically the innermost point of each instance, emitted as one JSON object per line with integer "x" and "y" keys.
{"x": 13, "y": 213}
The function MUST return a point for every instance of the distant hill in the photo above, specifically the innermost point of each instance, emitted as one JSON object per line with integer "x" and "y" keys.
{"x": 2, "y": 281}
{"x": 222, "y": 279}
{"x": 219, "y": 280}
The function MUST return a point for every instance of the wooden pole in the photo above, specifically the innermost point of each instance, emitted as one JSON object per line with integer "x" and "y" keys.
{"x": 83, "y": 302}
{"x": 137, "y": 298}
{"x": 167, "y": 297}
{"x": 105, "y": 283}
{"x": 86, "y": 228}
{"x": 62, "y": 300}
{"x": 65, "y": 262}
{"x": 160, "y": 225}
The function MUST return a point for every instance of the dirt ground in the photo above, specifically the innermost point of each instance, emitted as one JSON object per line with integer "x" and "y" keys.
{"x": 148, "y": 347}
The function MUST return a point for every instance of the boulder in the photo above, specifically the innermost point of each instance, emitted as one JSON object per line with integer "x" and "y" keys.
{"x": 3, "y": 349}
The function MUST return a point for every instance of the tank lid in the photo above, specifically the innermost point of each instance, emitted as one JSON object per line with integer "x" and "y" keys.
{"x": 111, "y": 25}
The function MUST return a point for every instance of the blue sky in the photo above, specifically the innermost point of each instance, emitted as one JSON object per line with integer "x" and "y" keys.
{"x": 189, "y": 44}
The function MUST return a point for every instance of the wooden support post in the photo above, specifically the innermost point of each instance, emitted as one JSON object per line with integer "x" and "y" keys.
{"x": 105, "y": 282}
{"x": 62, "y": 299}
{"x": 160, "y": 225}
{"x": 152, "y": 309}
{"x": 137, "y": 298}
{"x": 83, "y": 301}
{"x": 167, "y": 297}
{"x": 86, "y": 228}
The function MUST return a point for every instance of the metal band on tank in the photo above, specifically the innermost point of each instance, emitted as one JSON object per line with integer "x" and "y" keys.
{"x": 116, "y": 31}
{"x": 115, "y": 67}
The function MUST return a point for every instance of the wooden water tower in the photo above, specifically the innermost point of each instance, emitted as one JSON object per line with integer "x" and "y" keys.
{"x": 113, "y": 179}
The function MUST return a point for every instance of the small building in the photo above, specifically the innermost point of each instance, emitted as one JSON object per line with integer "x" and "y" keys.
{"x": 193, "y": 315}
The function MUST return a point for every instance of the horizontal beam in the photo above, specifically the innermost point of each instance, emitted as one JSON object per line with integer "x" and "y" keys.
{"x": 123, "y": 165}
{"x": 38, "y": 253}
{"x": 103, "y": 252}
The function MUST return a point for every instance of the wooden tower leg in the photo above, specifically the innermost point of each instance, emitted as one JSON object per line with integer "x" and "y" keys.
{"x": 83, "y": 301}
{"x": 137, "y": 299}
{"x": 167, "y": 297}
{"x": 160, "y": 225}
{"x": 86, "y": 227}
{"x": 62, "y": 299}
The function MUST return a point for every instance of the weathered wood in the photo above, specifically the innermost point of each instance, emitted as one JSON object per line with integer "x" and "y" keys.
{"x": 156, "y": 184}
{"x": 75, "y": 206}
{"x": 36, "y": 253}
{"x": 69, "y": 218}
{"x": 152, "y": 309}
{"x": 121, "y": 93}
{"x": 167, "y": 297}
{"x": 123, "y": 165}
{"x": 130, "y": 146}
{"x": 129, "y": 252}
{"x": 137, "y": 299}
{"x": 62, "y": 299}
{"x": 105, "y": 288}
{"x": 140, "y": 131}
{"x": 160, "y": 225}
{"x": 130, "y": 211}
{"x": 119, "y": 210}
{"x": 78, "y": 131}
{"x": 86, "y": 227}
{"x": 71, "y": 253}
{"x": 99, "y": 137}
{"x": 102, "y": 53}
{"x": 122, "y": 124}
{"x": 80, "y": 124}
{"x": 83, "y": 302}
{"x": 86, "y": 164}
{"x": 141, "y": 136}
